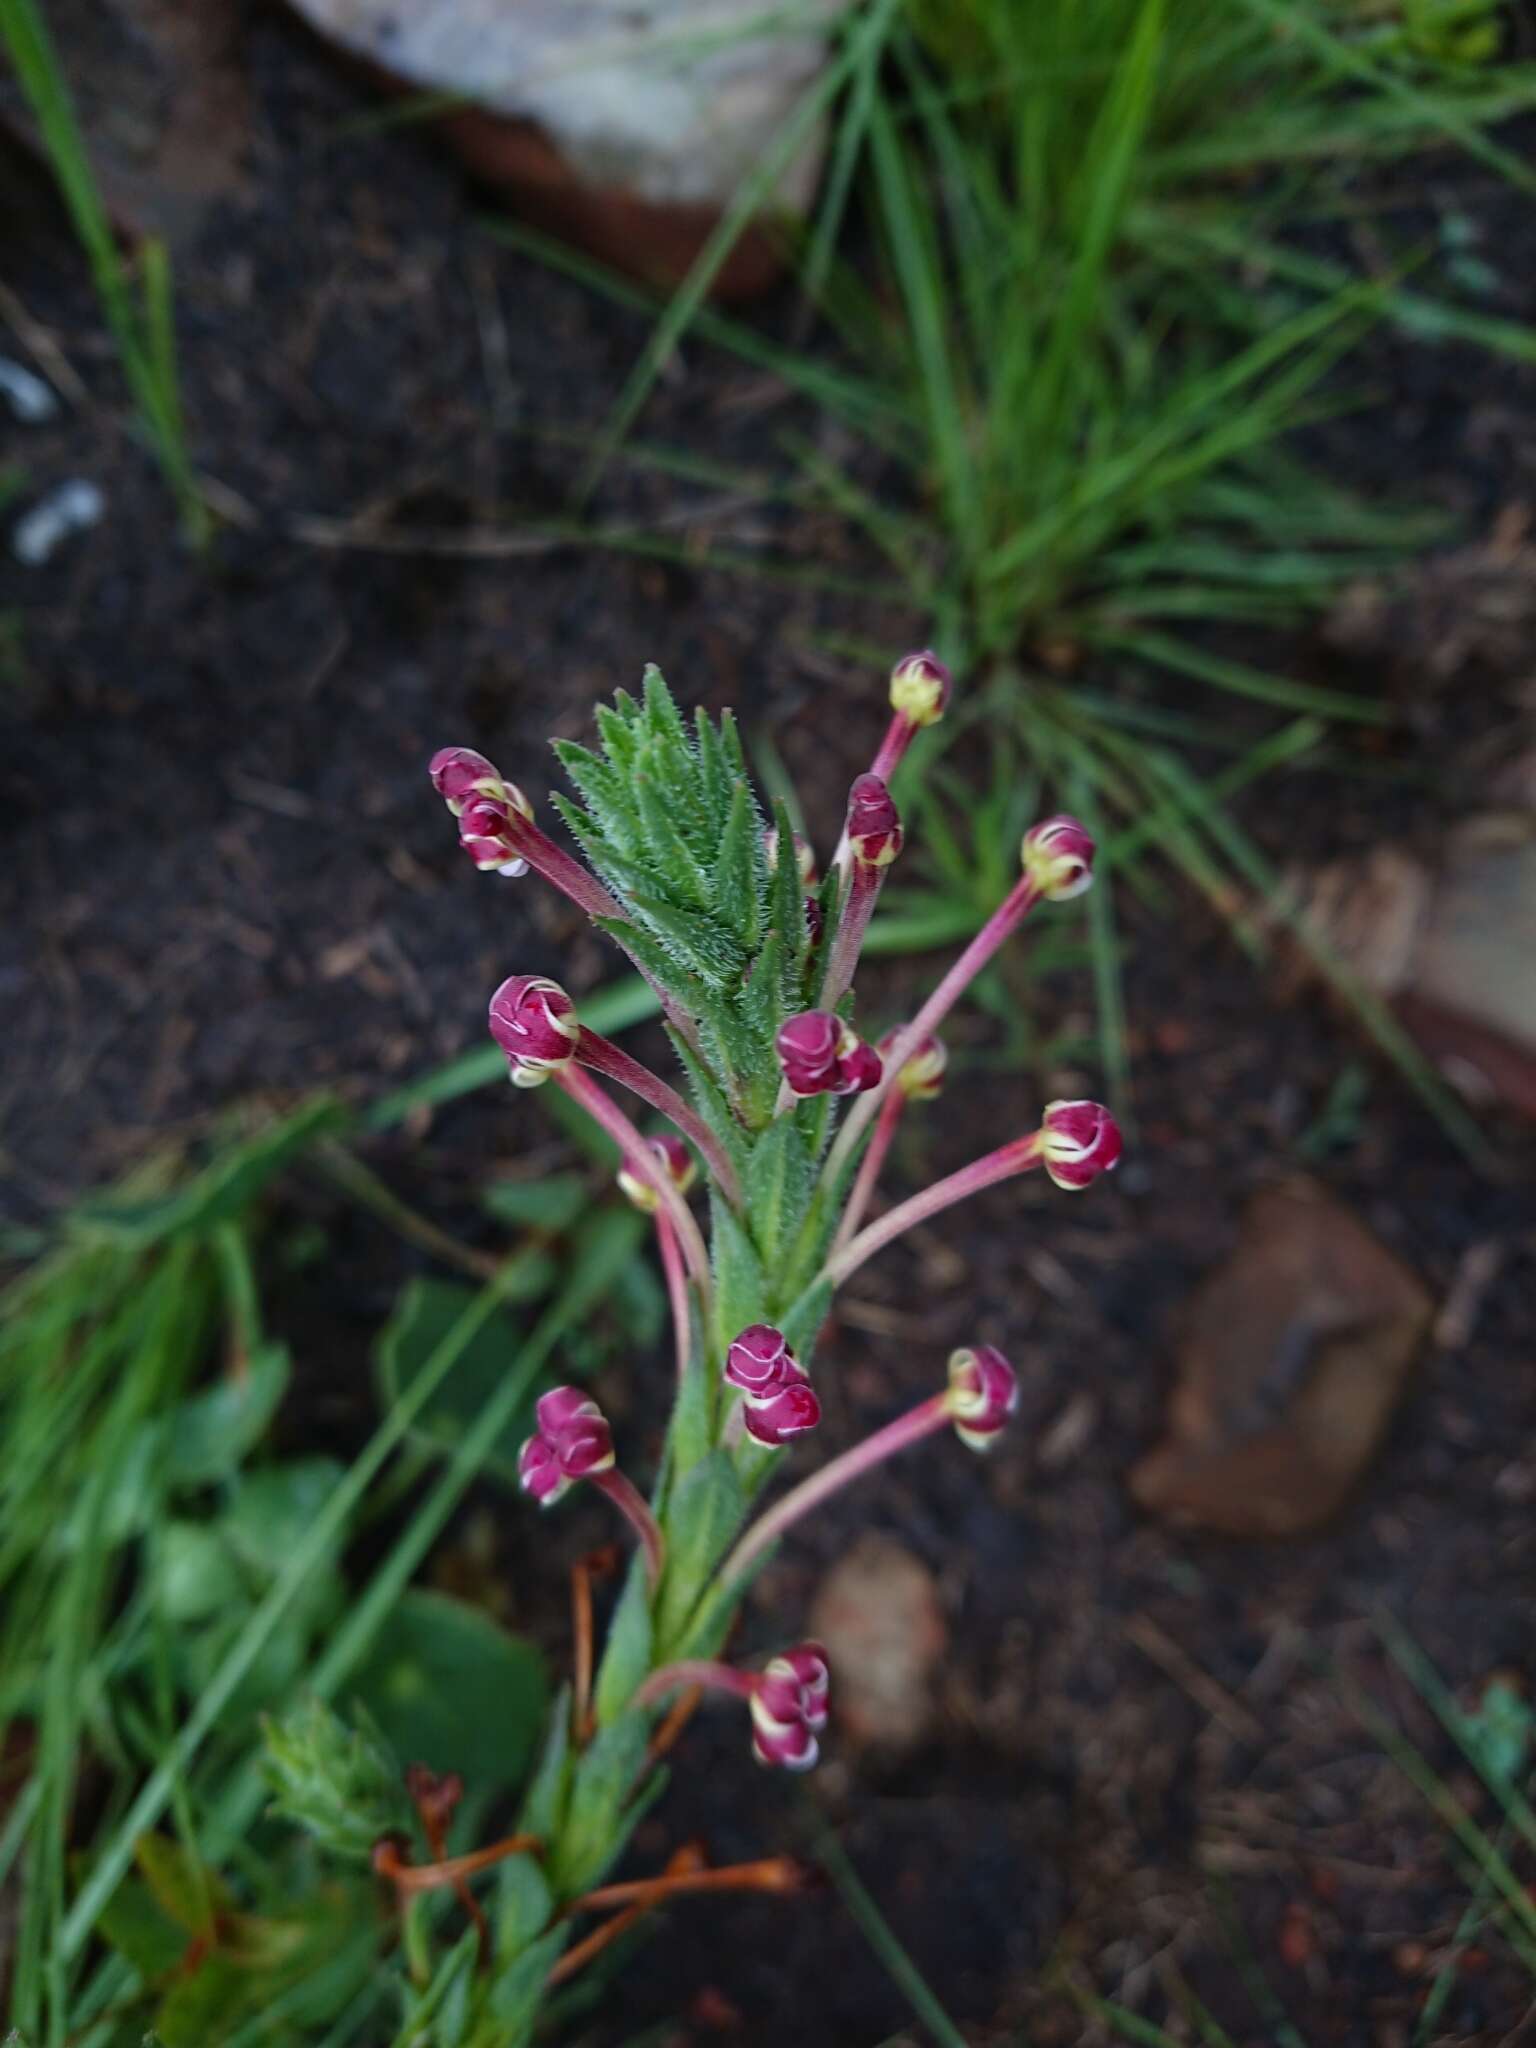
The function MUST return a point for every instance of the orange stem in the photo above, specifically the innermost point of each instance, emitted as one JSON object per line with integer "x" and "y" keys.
{"x": 577, "y": 1958}
{"x": 769, "y": 1874}
{"x": 426, "y": 1877}
{"x": 679, "y": 1715}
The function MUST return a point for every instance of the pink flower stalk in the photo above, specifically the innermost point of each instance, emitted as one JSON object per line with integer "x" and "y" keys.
{"x": 873, "y": 838}
{"x": 780, "y": 1402}
{"x": 1076, "y": 1143}
{"x": 919, "y": 1079}
{"x": 676, "y": 1161}
{"x": 787, "y": 1699}
{"x": 573, "y": 1442}
{"x": 643, "y": 1165}
{"x": 981, "y": 1394}
{"x": 920, "y": 693}
{"x": 820, "y": 1055}
{"x": 1056, "y": 863}
{"x": 1079, "y": 1141}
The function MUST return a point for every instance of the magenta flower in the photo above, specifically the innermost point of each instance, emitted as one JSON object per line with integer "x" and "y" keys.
{"x": 488, "y": 834}
{"x": 787, "y": 1699}
{"x": 983, "y": 1393}
{"x": 820, "y": 1055}
{"x": 780, "y": 1402}
{"x": 791, "y": 1410}
{"x": 460, "y": 774}
{"x": 755, "y": 1362}
{"x": 678, "y": 1162}
{"x": 1078, "y": 1142}
{"x": 534, "y": 1022}
{"x": 789, "y": 1708}
{"x": 1057, "y": 856}
{"x": 874, "y": 823}
{"x": 573, "y": 1441}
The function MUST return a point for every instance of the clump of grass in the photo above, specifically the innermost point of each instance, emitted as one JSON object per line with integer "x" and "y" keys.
{"x": 136, "y": 300}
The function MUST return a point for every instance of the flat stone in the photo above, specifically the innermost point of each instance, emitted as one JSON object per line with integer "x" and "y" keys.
{"x": 1295, "y": 1352}
{"x": 628, "y": 124}
{"x": 878, "y": 1615}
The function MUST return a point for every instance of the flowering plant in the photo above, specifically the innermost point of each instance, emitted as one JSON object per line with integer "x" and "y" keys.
{"x": 791, "y": 1117}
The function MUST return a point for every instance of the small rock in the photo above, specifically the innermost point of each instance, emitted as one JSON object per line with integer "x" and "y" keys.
{"x": 1296, "y": 1351}
{"x": 878, "y": 1614}
{"x": 31, "y": 400}
{"x": 1453, "y": 950}
{"x": 627, "y": 125}
{"x": 68, "y": 508}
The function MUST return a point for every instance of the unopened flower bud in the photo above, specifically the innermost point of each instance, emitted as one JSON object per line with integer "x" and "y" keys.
{"x": 573, "y": 1441}
{"x": 859, "y": 1066}
{"x": 920, "y": 687}
{"x": 874, "y": 823}
{"x": 488, "y": 834}
{"x": 790, "y": 1410}
{"x": 756, "y": 1360}
{"x": 534, "y": 1022}
{"x": 1057, "y": 856}
{"x": 1078, "y": 1142}
{"x": 983, "y": 1393}
{"x": 675, "y": 1160}
{"x": 805, "y": 856}
{"x": 922, "y": 1074}
{"x": 820, "y": 1055}
{"x": 807, "y": 1047}
{"x": 459, "y": 773}
{"x": 789, "y": 1708}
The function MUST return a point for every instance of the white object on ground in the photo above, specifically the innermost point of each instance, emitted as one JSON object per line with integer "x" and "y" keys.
{"x": 70, "y": 507}
{"x": 30, "y": 399}
{"x": 674, "y": 101}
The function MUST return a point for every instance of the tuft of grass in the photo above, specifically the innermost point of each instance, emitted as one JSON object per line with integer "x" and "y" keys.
{"x": 137, "y": 302}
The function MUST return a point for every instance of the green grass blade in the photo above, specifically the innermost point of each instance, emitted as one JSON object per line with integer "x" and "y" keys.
{"x": 877, "y": 1931}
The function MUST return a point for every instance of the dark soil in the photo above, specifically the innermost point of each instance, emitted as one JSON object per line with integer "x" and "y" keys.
{"x": 225, "y": 875}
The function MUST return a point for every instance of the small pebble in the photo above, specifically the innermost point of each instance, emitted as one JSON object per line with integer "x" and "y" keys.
{"x": 30, "y": 399}
{"x": 69, "y": 508}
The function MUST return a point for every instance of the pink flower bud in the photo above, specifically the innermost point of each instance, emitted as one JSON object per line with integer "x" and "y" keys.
{"x": 488, "y": 834}
{"x": 920, "y": 687}
{"x": 874, "y": 823}
{"x": 922, "y": 1074}
{"x": 673, "y": 1155}
{"x": 459, "y": 773}
{"x": 859, "y": 1067}
{"x": 807, "y": 1047}
{"x": 789, "y": 1708}
{"x": 983, "y": 1393}
{"x": 534, "y": 1022}
{"x": 789, "y": 1411}
{"x": 1078, "y": 1142}
{"x": 821, "y": 1056}
{"x": 1057, "y": 856}
{"x": 573, "y": 1442}
{"x": 805, "y": 856}
{"x": 756, "y": 1361}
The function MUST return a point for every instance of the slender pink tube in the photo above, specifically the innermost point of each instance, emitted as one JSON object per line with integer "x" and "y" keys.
{"x": 604, "y": 1057}
{"x": 642, "y": 1162}
{"x": 1015, "y": 1157}
{"x": 870, "y": 1165}
{"x": 630, "y": 1503}
{"x": 677, "y": 1293}
{"x": 703, "y": 1671}
{"x": 1003, "y": 922}
{"x": 924, "y": 1420}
